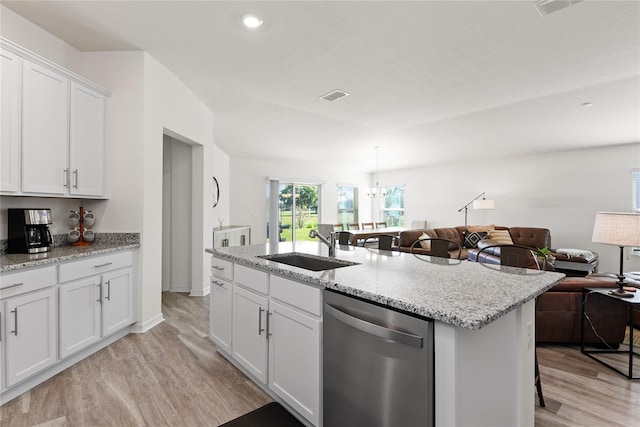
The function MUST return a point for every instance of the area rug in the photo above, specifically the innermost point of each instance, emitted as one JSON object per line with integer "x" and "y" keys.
{"x": 270, "y": 415}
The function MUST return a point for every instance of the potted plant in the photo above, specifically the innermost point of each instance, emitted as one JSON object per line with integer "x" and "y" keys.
{"x": 544, "y": 256}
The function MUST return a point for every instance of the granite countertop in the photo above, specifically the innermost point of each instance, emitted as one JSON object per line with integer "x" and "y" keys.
{"x": 112, "y": 243}
{"x": 462, "y": 293}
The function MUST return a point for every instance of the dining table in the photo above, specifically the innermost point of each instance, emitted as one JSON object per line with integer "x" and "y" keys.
{"x": 373, "y": 232}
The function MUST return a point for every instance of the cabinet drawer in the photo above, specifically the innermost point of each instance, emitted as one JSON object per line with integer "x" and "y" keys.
{"x": 297, "y": 294}
{"x": 251, "y": 278}
{"x": 94, "y": 265}
{"x": 27, "y": 280}
{"x": 221, "y": 268}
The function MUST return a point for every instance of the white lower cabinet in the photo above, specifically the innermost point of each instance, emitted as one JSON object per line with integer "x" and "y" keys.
{"x": 79, "y": 315}
{"x": 94, "y": 307}
{"x": 30, "y": 334}
{"x": 294, "y": 359}
{"x": 117, "y": 301}
{"x": 250, "y": 331}
{"x": 220, "y": 313}
{"x": 275, "y": 329}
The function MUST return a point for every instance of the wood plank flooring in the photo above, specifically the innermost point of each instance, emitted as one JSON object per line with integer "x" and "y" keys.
{"x": 172, "y": 376}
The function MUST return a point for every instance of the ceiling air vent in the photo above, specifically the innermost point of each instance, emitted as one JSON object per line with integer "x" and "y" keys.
{"x": 334, "y": 95}
{"x": 546, "y": 7}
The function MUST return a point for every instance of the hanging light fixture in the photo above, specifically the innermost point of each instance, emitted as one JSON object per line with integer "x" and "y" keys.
{"x": 374, "y": 191}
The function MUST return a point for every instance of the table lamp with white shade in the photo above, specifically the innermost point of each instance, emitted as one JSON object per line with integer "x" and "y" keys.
{"x": 619, "y": 229}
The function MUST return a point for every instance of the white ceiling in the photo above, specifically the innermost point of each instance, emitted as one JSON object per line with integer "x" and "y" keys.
{"x": 429, "y": 81}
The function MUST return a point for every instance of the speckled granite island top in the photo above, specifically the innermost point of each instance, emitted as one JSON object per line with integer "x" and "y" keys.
{"x": 462, "y": 293}
{"x": 112, "y": 243}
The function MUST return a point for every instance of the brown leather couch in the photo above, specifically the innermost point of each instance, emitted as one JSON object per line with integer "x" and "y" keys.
{"x": 526, "y": 236}
{"x": 559, "y": 311}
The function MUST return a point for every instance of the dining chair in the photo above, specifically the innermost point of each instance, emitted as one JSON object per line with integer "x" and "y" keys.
{"x": 523, "y": 257}
{"x": 344, "y": 237}
{"x": 338, "y": 227}
{"x": 367, "y": 225}
{"x": 384, "y": 241}
{"x": 437, "y": 247}
{"x": 382, "y": 224}
{"x": 353, "y": 226}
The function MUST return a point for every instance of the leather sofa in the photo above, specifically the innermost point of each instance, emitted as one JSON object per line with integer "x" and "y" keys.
{"x": 559, "y": 312}
{"x": 526, "y": 236}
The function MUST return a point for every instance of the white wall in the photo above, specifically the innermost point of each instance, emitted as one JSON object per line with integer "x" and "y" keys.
{"x": 249, "y": 183}
{"x": 559, "y": 191}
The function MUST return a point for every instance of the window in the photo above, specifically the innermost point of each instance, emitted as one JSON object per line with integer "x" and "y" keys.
{"x": 347, "y": 204}
{"x": 636, "y": 190}
{"x": 393, "y": 206}
{"x": 296, "y": 207}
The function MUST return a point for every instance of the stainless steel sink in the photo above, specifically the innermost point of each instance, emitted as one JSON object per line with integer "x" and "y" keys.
{"x": 308, "y": 262}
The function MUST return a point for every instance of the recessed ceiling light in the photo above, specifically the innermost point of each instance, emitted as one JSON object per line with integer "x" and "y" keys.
{"x": 586, "y": 104}
{"x": 251, "y": 21}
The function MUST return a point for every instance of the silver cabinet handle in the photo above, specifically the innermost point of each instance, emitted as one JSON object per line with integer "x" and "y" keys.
{"x": 99, "y": 293}
{"x": 15, "y": 319}
{"x": 260, "y": 329}
{"x": 373, "y": 329}
{"x": 108, "y": 290}
{"x": 75, "y": 172}
{"x": 102, "y": 265}
{"x": 218, "y": 283}
{"x": 218, "y": 268}
{"x": 15, "y": 285}
{"x": 66, "y": 177}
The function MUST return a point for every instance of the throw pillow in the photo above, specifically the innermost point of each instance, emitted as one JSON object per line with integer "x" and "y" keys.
{"x": 471, "y": 239}
{"x": 500, "y": 237}
{"x": 425, "y": 244}
{"x": 476, "y": 228}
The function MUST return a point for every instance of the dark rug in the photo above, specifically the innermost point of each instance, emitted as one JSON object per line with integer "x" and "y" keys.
{"x": 270, "y": 415}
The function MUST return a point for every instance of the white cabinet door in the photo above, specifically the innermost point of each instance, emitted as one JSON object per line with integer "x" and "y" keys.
{"x": 79, "y": 314}
{"x": 86, "y": 142}
{"x": 220, "y": 313}
{"x": 250, "y": 331}
{"x": 10, "y": 76}
{"x": 31, "y": 333}
{"x": 117, "y": 301}
{"x": 45, "y": 130}
{"x": 294, "y": 359}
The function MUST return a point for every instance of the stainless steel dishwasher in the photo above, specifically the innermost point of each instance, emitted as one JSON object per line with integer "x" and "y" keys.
{"x": 378, "y": 365}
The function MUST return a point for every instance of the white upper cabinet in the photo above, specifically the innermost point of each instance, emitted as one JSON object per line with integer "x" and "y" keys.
{"x": 86, "y": 142}
{"x": 10, "y": 74}
{"x": 45, "y": 130}
{"x": 53, "y": 130}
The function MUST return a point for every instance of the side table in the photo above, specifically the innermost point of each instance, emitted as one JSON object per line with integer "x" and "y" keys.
{"x": 632, "y": 303}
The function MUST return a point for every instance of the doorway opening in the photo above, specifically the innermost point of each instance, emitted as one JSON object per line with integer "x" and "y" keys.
{"x": 177, "y": 202}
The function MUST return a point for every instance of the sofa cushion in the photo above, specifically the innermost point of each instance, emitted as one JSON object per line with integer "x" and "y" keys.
{"x": 425, "y": 244}
{"x": 471, "y": 238}
{"x": 500, "y": 237}
{"x": 531, "y": 236}
{"x": 451, "y": 233}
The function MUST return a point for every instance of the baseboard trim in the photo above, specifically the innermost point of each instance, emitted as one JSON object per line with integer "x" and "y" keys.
{"x": 200, "y": 292}
{"x": 144, "y": 327}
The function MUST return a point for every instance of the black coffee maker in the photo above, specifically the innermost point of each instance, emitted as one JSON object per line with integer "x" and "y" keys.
{"x": 29, "y": 231}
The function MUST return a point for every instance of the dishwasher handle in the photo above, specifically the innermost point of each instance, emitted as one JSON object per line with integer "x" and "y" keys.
{"x": 373, "y": 329}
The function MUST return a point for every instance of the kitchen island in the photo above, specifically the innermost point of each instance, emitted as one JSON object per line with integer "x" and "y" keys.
{"x": 484, "y": 319}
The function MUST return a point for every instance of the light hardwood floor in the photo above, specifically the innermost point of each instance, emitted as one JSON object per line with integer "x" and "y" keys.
{"x": 172, "y": 376}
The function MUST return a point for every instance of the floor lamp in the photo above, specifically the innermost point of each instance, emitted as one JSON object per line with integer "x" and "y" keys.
{"x": 477, "y": 204}
{"x": 619, "y": 229}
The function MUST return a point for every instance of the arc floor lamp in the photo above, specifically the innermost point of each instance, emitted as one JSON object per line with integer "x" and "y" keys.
{"x": 479, "y": 204}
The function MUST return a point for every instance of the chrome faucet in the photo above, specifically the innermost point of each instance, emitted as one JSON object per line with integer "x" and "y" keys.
{"x": 330, "y": 243}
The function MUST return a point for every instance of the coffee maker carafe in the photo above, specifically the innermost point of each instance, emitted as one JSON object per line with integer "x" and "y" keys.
{"x": 29, "y": 231}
